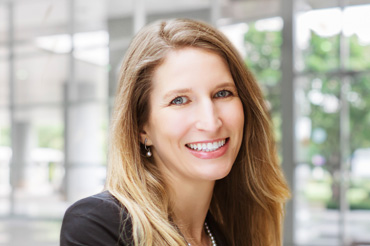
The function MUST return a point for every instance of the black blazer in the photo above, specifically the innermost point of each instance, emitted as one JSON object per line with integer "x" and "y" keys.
{"x": 97, "y": 220}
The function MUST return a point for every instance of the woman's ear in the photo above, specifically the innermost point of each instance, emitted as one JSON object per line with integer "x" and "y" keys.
{"x": 143, "y": 136}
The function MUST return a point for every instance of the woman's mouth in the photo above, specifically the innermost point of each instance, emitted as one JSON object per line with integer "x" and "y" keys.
{"x": 209, "y": 149}
{"x": 207, "y": 146}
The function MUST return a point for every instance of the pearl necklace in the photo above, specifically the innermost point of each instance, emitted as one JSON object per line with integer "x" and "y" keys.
{"x": 213, "y": 240}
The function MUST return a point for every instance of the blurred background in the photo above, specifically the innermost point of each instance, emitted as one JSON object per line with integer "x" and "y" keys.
{"x": 59, "y": 63}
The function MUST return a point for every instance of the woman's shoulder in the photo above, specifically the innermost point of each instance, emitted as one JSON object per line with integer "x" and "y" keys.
{"x": 97, "y": 203}
{"x": 102, "y": 207}
{"x": 96, "y": 220}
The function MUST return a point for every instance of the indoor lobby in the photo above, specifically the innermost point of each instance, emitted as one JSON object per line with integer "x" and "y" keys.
{"x": 59, "y": 67}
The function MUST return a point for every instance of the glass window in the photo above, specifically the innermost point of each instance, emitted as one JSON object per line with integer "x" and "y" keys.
{"x": 263, "y": 51}
{"x": 359, "y": 185}
{"x": 326, "y": 39}
{"x": 355, "y": 29}
{"x": 317, "y": 40}
{"x": 359, "y": 100}
{"x": 318, "y": 157}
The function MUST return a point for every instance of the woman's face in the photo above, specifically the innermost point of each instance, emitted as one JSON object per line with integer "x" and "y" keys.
{"x": 195, "y": 127}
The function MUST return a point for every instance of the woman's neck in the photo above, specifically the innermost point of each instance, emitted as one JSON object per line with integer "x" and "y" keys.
{"x": 190, "y": 205}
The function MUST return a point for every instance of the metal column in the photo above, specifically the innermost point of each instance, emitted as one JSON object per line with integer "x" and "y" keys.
{"x": 67, "y": 97}
{"x": 288, "y": 116}
{"x": 11, "y": 101}
{"x": 344, "y": 135}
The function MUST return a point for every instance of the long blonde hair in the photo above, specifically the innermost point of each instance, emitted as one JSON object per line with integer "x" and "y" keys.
{"x": 248, "y": 203}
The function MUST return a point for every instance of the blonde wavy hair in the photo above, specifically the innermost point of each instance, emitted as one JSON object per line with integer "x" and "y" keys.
{"x": 248, "y": 204}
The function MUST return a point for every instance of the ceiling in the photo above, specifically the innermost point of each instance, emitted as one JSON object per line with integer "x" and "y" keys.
{"x": 42, "y": 77}
{"x": 44, "y": 17}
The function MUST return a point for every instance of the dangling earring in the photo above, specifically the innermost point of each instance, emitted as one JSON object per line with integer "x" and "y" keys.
{"x": 148, "y": 153}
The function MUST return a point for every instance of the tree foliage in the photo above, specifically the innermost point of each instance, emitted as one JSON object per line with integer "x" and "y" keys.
{"x": 322, "y": 88}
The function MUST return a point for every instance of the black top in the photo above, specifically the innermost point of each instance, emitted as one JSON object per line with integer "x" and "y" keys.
{"x": 97, "y": 220}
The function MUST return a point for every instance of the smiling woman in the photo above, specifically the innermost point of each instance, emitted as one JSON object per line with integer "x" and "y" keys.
{"x": 193, "y": 102}
{"x": 192, "y": 154}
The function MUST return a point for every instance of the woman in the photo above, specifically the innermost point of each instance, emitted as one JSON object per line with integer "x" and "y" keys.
{"x": 192, "y": 157}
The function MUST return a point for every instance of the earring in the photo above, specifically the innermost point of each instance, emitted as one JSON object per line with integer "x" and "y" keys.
{"x": 148, "y": 153}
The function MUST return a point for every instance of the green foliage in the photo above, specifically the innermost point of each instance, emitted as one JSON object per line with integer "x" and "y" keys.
{"x": 322, "y": 55}
{"x": 359, "y": 58}
{"x": 263, "y": 52}
{"x": 360, "y": 113}
{"x": 318, "y": 192}
{"x": 5, "y": 136}
{"x": 50, "y": 136}
{"x": 321, "y": 58}
{"x": 358, "y": 196}
{"x": 328, "y": 121}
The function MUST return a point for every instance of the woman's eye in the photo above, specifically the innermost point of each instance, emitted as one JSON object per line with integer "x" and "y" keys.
{"x": 223, "y": 93}
{"x": 179, "y": 100}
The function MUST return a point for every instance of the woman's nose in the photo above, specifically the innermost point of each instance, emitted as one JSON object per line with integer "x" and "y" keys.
{"x": 208, "y": 118}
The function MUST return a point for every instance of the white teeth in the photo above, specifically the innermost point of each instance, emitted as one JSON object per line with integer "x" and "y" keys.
{"x": 211, "y": 146}
{"x": 204, "y": 146}
{"x": 215, "y": 145}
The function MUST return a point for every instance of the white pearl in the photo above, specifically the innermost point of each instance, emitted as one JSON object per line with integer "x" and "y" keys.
{"x": 213, "y": 240}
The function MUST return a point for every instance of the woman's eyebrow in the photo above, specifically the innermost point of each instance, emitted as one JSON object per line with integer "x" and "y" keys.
{"x": 177, "y": 92}
{"x": 227, "y": 84}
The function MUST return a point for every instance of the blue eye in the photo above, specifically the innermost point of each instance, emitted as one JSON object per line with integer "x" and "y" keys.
{"x": 223, "y": 93}
{"x": 179, "y": 100}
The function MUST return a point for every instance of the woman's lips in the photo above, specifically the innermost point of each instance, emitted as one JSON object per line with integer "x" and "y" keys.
{"x": 209, "y": 149}
{"x": 207, "y": 145}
